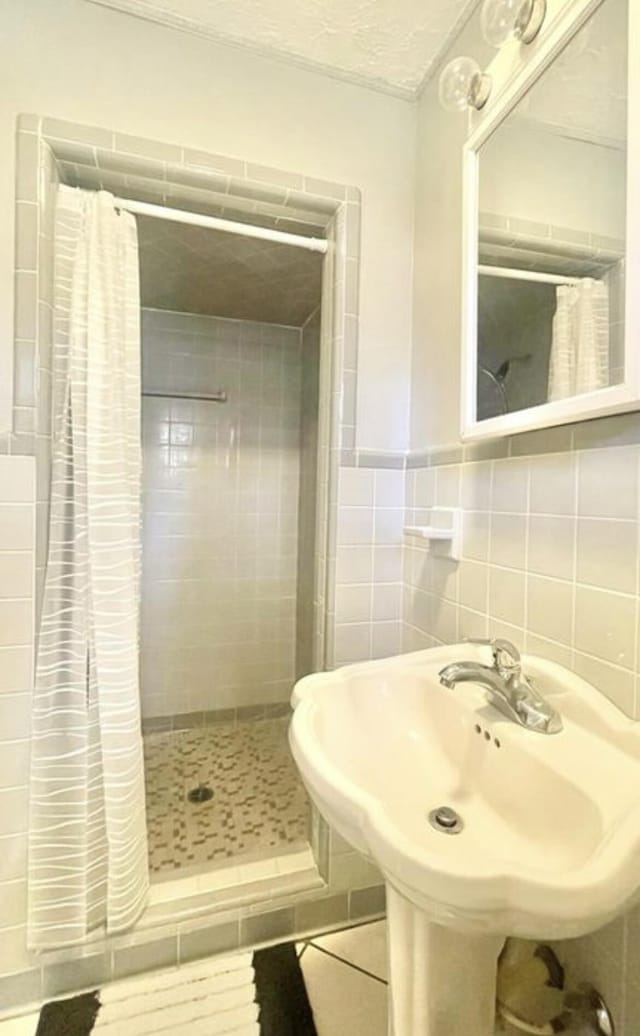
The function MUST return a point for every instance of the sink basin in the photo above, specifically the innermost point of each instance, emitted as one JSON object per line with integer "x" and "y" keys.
{"x": 543, "y": 841}
{"x": 551, "y": 836}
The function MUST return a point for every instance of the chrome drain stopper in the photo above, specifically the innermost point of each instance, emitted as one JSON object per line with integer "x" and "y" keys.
{"x": 200, "y": 794}
{"x": 446, "y": 820}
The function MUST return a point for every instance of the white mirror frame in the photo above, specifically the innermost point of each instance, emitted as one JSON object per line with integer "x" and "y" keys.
{"x": 514, "y": 71}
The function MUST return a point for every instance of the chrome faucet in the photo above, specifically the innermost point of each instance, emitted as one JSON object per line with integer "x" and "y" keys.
{"x": 509, "y": 689}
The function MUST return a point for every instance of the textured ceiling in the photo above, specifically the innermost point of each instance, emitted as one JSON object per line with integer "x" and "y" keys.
{"x": 584, "y": 92}
{"x": 390, "y": 45}
{"x": 194, "y": 270}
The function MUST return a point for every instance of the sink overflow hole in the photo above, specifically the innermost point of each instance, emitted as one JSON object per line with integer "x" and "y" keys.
{"x": 446, "y": 820}
{"x": 487, "y": 736}
{"x": 203, "y": 793}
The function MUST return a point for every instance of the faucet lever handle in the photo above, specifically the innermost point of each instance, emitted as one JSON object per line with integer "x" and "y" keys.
{"x": 505, "y": 654}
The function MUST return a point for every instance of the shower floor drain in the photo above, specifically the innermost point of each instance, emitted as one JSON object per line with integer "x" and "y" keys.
{"x": 200, "y": 794}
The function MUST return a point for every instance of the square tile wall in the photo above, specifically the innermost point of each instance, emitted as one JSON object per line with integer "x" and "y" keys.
{"x": 93, "y": 157}
{"x": 37, "y": 178}
{"x": 550, "y": 560}
{"x": 551, "y": 556}
{"x": 367, "y": 578}
{"x": 307, "y": 616}
{"x": 220, "y": 529}
{"x": 149, "y": 170}
{"x": 17, "y": 568}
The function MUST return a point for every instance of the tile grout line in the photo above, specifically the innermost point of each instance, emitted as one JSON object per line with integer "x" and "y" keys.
{"x": 348, "y": 963}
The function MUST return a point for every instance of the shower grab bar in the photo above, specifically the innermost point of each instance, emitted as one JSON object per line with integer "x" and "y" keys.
{"x": 211, "y": 397}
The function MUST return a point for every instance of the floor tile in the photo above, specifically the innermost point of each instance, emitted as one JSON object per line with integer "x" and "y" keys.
{"x": 343, "y": 1000}
{"x": 26, "y": 1025}
{"x": 365, "y": 946}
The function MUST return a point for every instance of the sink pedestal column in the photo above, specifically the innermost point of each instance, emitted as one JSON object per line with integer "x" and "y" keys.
{"x": 441, "y": 982}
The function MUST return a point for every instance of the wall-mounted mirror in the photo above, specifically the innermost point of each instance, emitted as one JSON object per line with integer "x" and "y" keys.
{"x": 547, "y": 244}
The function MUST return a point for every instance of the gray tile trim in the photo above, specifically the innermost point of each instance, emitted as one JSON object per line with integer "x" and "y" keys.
{"x": 372, "y": 459}
{"x": 452, "y": 454}
{"x": 59, "y": 129}
{"x": 420, "y": 459}
{"x": 620, "y": 430}
{"x": 261, "y": 928}
{"x": 205, "y": 942}
{"x": 322, "y": 913}
{"x": 22, "y": 988}
{"x": 188, "y": 720}
{"x": 131, "y": 960}
{"x": 491, "y": 450}
{"x": 369, "y": 902}
{"x": 76, "y": 974}
{"x": 546, "y": 440}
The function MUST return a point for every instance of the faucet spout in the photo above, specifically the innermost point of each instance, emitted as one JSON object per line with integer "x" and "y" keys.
{"x": 513, "y": 693}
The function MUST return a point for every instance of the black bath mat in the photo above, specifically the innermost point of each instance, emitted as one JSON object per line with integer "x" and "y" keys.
{"x": 73, "y": 1017}
{"x": 280, "y": 993}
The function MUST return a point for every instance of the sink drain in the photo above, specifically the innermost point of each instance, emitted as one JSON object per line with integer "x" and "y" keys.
{"x": 446, "y": 820}
{"x": 200, "y": 794}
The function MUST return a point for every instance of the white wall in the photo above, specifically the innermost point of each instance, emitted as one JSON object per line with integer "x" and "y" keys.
{"x": 78, "y": 61}
{"x": 527, "y": 172}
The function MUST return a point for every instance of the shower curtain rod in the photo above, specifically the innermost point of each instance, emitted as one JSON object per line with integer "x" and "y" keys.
{"x": 527, "y": 275}
{"x": 143, "y": 208}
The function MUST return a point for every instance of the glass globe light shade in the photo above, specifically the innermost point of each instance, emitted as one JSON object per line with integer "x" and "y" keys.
{"x": 502, "y": 20}
{"x": 463, "y": 85}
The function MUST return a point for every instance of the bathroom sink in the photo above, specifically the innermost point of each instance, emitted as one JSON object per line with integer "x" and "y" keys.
{"x": 545, "y": 835}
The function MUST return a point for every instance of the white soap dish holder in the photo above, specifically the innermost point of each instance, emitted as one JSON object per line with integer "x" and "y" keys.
{"x": 443, "y": 532}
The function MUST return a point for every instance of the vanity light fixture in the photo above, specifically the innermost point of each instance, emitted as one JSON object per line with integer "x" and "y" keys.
{"x": 503, "y": 20}
{"x": 463, "y": 84}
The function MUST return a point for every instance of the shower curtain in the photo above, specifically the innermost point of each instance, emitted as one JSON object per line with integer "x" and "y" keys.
{"x": 87, "y": 830}
{"x": 579, "y": 360}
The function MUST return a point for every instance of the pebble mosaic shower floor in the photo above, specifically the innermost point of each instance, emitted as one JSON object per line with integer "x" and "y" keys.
{"x": 258, "y": 808}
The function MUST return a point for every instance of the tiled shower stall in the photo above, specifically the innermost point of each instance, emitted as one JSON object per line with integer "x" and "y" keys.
{"x": 222, "y": 520}
{"x": 199, "y": 917}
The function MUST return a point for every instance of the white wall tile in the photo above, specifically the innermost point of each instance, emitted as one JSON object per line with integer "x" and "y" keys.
{"x": 510, "y": 485}
{"x": 507, "y": 595}
{"x": 551, "y": 546}
{"x": 16, "y": 668}
{"x": 16, "y": 573}
{"x": 16, "y": 622}
{"x": 16, "y": 526}
{"x": 353, "y": 603}
{"x": 616, "y": 683}
{"x": 508, "y": 540}
{"x": 606, "y": 625}
{"x": 355, "y": 525}
{"x": 220, "y": 529}
{"x": 473, "y": 584}
{"x": 608, "y": 483}
{"x": 357, "y": 487}
{"x": 387, "y": 602}
{"x": 352, "y": 643}
{"x": 550, "y": 608}
{"x": 607, "y": 553}
{"x": 553, "y": 486}
{"x": 17, "y": 475}
{"x": 476, "y": 486}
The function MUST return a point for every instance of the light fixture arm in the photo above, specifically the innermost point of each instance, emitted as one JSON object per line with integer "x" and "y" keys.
{"x": 530, "y": 21}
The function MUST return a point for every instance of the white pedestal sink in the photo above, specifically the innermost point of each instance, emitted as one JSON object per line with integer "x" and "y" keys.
{"x": 549, "y": 834}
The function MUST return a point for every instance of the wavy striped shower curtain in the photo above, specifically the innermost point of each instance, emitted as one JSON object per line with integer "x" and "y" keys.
{"x": 87, "y": 830}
